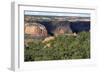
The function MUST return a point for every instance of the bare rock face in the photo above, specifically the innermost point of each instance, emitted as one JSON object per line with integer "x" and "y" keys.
{"x": 62, "y": 27}
{"x": 60, "y": 31}
{"x": 48, "y": 39}
{"x": 35, "y": 30}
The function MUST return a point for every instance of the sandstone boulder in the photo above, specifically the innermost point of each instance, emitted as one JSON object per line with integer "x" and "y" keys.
{"x": 48, "y": 39}
{"x": 35, "y": 30}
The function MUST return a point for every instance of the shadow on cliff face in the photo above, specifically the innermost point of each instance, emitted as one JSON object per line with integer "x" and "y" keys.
{"x": 54, "y": 27}
{"x": 80, "y": 26}
{"x": 76, "y": 27}
{"x": 48, "y": 26}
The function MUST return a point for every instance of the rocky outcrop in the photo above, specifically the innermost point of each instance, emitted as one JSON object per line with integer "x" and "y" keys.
{"x": 48, "y": 39}
{"x": 62, "y": 27}
{"x": 35, "y": 30}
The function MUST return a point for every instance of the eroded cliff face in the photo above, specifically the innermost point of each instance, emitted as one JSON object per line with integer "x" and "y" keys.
{"x": 35, "y": 30}
{"x": 42, "y": 26}
{"x": 61, "y": 27}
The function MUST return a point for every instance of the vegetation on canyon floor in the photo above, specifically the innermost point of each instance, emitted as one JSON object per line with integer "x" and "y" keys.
{"x": 61, "y": 47}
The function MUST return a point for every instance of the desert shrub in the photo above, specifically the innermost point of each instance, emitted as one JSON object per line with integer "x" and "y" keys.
{"x": 62, "y": 47}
